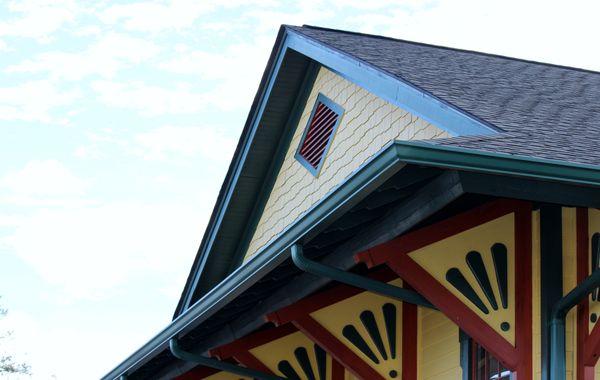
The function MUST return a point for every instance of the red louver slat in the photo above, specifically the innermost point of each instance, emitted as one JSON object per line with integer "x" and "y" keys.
{"x": 318, "y": 146}
{"x": 319, "y": 113}
{"x": 320, "y": 130}
{"x": 318, "y": 121}
{"x": 318, "y": 135}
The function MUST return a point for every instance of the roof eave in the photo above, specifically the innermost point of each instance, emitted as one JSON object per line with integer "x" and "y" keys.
{"x": 344, "y": 196}
{"x": 423, "y": 153}
{"x": 381, "y": 167}
{"x": 232, "y": 173}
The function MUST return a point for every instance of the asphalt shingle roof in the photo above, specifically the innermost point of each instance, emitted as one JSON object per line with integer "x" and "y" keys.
{"x": 542, "y": 110}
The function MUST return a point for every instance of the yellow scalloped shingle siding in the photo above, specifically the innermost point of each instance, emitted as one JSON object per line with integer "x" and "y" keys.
{"x": 368, "y": 124}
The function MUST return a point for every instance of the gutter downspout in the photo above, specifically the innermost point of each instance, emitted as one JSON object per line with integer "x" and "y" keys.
{"x": 361, "y": 282}
{"x": 217, "y": 364}
{"x": 558, "y": 369}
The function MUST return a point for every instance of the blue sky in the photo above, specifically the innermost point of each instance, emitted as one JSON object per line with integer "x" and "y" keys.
{"x": 117, "y": 123}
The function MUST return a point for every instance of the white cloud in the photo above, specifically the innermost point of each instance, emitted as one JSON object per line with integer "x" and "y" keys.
{"x": 88, "y": 151}
{"x": 160, "y": 16}
{"x": 172, "y": 141}
{"x": 35, "y": 101}
{"x": 236, "y": 83}
{"x": 62, "y": 350}
{"x": 48, "y": 178}
{"x": 224, "y": 63}
{"x": 151, "y": 100}
{"x": 43, "y": 183}
{"x": 105, "y": 57}
{"x": 155, "y": 16}
{"x": 38, "y": 19}
{"x": 87, "y": 252}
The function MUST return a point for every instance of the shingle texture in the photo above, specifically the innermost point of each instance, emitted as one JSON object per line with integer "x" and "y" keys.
{"x": 541, "y": 110}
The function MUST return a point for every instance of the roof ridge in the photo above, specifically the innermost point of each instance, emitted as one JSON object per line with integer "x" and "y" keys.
{"x": 492, "y": 55}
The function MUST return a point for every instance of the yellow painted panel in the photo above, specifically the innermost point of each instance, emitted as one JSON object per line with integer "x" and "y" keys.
{"x": 439, "y": 347}
{"x": 439, "y": 257}
{"x": 367, "y": 125}
{"x": 347, "y": 312}
{"x": 594, "y": 228}
{"x": 272, "y": 353}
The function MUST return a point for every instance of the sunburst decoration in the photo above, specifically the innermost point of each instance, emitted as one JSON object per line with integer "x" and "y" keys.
{"x": 475, "y": 262}
{"x": 368, "y": 321}
{"x": 303, "y": 359}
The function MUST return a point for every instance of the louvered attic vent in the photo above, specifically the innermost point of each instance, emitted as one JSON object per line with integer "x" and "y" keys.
{"x": 318, "y": 134}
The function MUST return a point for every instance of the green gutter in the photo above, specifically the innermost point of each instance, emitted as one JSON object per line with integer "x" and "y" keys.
{"x": 361, "y": 183}
{"x": 364, "y": 180}
{"x": 314, "y": 267}
{"x": 202, "y": 360}
{"x": 558, "y": 369}
{"x": 422, "y": 153}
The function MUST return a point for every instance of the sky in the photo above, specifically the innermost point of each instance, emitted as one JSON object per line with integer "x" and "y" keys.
{"x": 118, "y": 120}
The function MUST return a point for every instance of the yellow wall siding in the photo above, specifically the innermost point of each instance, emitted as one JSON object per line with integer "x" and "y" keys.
{"x": 594, "y": 227}
{"x": 439, "y": 347}
{"x": 569, "y": 282}
{"x": 368, "y": 124}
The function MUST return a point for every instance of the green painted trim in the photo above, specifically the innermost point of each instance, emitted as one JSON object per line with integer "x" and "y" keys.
{"x": 558, "y": 369}
{"x": 466, "y": 355}
{"x": 278, "y": 159}
{"x": 551, "y": 281}
{"x": 343, "y": 197}
{"x": 391, "y": 88}
{"x": 202, "y": 360}
{"x": 428, "y": 154}
{"x": 382, "y": 288}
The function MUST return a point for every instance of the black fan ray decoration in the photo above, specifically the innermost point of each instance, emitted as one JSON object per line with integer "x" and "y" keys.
{"x": 303, "y": 360}
{"x": 369, "y": 322}
{"x": 476, "y": 264}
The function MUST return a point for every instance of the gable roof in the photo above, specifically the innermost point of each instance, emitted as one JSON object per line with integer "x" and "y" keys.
{"x": 491, "y": 103}
{"x": 542, "y": 110}
{"x": 508, "y": 115}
